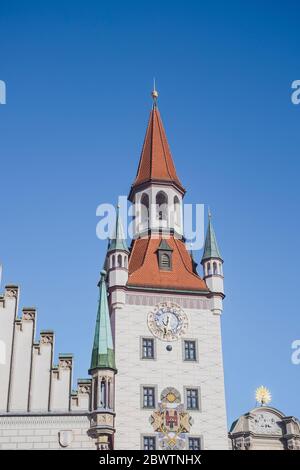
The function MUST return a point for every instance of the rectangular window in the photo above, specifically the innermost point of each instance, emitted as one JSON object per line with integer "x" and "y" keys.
{"x": 194, "y": 443}
{"x": 149, "y": 443}
{"x": 192, "y": 399}
{"x": 190, "y": 350}
{"x": 148, "y": 348}
{"x": 148, "y": 397}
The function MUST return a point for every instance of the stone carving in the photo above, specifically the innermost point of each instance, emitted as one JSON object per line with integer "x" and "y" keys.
{"x": 84, "y": 389}
{"x": 11, "y": 291}
{"x": 28, "y": 314}
{"x": 105, "y": 419}
{"x": 65, "y": 438}
{"x": 46, "y": 339}
{"x": 65, "y": 364}
{"x": 265, "y": 423}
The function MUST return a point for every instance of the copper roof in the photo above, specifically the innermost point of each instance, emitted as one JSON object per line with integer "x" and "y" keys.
{"x": 156, "y": 162}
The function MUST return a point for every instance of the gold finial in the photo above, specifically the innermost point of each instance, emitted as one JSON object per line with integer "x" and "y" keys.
{"x": 263, "y": 395}
{"x": 154, "y": 92}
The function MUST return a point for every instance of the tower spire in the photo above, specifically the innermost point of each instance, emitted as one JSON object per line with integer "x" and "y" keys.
{"x": 118, "y": 241}
{"x": 154, "y": 94}
{"x": 211, "y": 249}
{"x": 103, "y": 355}
{"x": 156, "y": 163}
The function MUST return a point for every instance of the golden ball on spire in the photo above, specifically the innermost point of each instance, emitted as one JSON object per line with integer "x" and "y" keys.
{"x": 154, "y": 94}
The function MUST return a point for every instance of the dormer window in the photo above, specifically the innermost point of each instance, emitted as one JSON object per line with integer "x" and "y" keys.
{"x": 164, "y": 256}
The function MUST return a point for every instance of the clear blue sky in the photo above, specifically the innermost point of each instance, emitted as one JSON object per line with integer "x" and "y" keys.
{"x": 78, "y": 78}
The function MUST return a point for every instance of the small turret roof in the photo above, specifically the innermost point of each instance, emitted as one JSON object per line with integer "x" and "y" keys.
{"x": 118, "y": 240}
{"x": 103, "y": 355}
{"x": 211, "y": 249}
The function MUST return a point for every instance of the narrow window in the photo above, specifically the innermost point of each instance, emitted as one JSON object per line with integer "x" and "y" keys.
{"x": 113, "y": 261}
{"x": 103, "y": 393}
{"x": 95, "y": 394}
{"x": 215, "y": 268}
{"x": 190, "y": 350}
{"x": 192, "y": 399}
{"x": 208, "y": 269}
{"x": 145, "y": 210}
{"x": 194, "y": 443}
{"x": 109, "y": 394}
{"x": 149, "y": 443}
{"x": 148, "y": 397}
{"x": 177, "y": 217}
{"x": 148, "y": 348}
{"x": 119, "y": 261}
{"x": 162, "y": 206}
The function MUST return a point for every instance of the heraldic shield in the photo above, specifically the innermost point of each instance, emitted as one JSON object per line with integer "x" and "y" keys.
{"x": 171, "y": 421}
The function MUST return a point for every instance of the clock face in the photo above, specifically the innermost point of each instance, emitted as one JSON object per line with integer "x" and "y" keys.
{"x": 167, "y": 321}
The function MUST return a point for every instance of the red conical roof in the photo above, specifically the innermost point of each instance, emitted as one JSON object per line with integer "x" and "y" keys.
{"x": 156, "y": 162}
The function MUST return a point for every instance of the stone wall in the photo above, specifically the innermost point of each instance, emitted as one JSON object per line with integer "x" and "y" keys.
{"x": 168, "y": 370}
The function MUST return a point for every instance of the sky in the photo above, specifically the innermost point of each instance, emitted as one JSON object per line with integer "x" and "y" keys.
{"x": 79, "y": 76}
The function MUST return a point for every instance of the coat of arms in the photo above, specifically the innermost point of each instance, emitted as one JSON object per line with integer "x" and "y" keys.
{"x": 171, "y": 421}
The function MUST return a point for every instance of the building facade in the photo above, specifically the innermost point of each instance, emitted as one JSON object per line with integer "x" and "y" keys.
{"x": 156, "y": 373}
{"x": 265, "y": 428}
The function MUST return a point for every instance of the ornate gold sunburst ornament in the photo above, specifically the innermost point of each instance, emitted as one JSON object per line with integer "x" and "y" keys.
{"x": 263, "y": 395}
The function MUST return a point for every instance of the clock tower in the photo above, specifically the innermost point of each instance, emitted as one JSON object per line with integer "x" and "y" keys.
{"x": 165, "y": 318}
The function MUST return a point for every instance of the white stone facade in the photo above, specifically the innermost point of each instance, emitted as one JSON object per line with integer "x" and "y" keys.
{"x": 44, "y": 432}
{"x": 265, "y": 428}
{"x": 37, "y": 406}
{"x": 168, "y": 369}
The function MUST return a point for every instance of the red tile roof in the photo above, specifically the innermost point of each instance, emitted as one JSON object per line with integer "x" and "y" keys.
{"x": 144, "y": 269}
{"x": 156, "y": 162}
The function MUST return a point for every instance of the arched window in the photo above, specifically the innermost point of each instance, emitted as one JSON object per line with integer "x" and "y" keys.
{"x": 109, "y": 395}
{"x": 103, "y": 393}
{"x": 208, "y": 269}
{"x": 119, "y": 261}
{"x": 95, "y": 394}
{"x": 177, "y": 215}
{"x": 165, "y": 261}
{"x": 215, "y": 268}
{"x": 113, "y": 261}
{"x": 162, "y": 206}
{"x": 145, "y": 210}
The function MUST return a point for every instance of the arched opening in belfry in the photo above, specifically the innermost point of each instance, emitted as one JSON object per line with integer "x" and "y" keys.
{"x": 162, "y": 206}
{"x": 145, "y": 210}
{"x": 119, "y": 261}
{"x": 208, "y": 269}
{"x": 177, "y": 214}
{"x": 215, "y": 268}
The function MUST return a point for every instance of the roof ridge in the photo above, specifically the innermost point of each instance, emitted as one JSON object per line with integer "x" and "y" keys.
{"x": 159, "y": 122}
